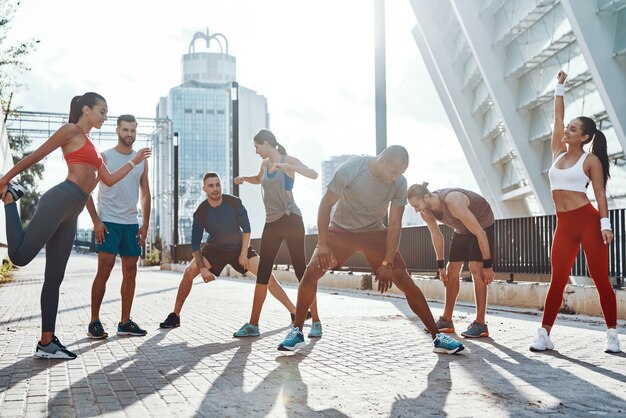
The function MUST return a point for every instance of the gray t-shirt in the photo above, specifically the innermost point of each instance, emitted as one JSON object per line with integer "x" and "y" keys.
{"x": 118, "y": 203}
{"x": 363, "y": 199}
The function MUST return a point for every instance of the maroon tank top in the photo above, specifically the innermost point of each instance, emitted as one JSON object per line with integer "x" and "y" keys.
{"x": 478, "y": 206}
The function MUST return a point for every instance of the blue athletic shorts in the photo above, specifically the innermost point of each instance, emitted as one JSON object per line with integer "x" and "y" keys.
{"x": 122, "y": 239}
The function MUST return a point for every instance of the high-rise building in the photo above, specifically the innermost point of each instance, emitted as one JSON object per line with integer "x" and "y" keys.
{"x": 494, "y": 64}
{"x": 330, "y": 166}
{"x": 199, "y": 113}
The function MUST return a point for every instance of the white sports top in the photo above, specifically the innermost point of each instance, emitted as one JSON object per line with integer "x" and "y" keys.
{"x": 572, "y": 179}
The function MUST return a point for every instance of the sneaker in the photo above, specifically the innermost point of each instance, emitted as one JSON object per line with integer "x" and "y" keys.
{"x": 248, "y": 330}
{"x": 293, "y": 341}
{"x": 54, "y": 349}
{"x": 15, "y": 189}
{"x": 96, "y": 330}
{"x": 443, "y": 325}
{"x": 316, "y": 330}
{"x": 444, "y": 344}
{"x": 612, "y": 341}
{"x": 293, "y": 317}
{"x": 130, "y": 328}
{"x": 476, "y": 330}
{"x": 542, "y": 341}
{"x": 172, "y": 321}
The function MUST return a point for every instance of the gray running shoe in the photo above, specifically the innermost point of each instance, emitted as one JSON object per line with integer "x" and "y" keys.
{"x": 476, "y": 330}
{"x": 443, "y": 326}
{"x": 55, "y": 350}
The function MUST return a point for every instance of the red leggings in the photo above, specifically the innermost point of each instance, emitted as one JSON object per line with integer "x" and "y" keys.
{"x": 574, "y": 227}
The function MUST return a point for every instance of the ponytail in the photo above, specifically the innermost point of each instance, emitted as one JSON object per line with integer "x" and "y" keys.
{"x": 265, "y": 135}
{"x": 75, "y": 109}
{"x": 418, "y": 190}
{"x": 598, "y": 148}
{"x": 89, "y": 99}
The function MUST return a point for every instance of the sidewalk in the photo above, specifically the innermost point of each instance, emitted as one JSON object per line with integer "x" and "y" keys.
{"x": 373, "y": 360}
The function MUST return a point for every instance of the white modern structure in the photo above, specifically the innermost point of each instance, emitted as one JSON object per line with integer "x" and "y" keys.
{"x": 200, "y": 112}
{"x": 494, "y": 64}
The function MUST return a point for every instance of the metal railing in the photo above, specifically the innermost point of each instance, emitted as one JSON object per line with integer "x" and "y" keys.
{"x": 522, "y": 245}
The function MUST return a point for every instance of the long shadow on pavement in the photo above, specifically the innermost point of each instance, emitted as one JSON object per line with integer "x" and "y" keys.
{"x": 436, "y": 393}
{"x": 283, "y": 385}
{"x": 569, "y": 389}
{"x": 130, "y": 379}
{"x": 29, "y": 367}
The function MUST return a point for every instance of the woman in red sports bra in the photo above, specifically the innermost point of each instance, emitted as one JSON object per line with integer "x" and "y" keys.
{"x": 57, "y": 212}
{"x": 578, "y": 222}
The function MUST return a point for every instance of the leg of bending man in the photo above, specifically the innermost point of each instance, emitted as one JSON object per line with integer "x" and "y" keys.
{"x": 369, "y": 187}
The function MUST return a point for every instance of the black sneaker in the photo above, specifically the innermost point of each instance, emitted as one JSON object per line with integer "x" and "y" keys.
{"x": 172, "y": 321}
{"x": 55, "y": 350}
{"x": 96, "y": 330}
{"x": 293, "y": 316}
{"x": 130, "y": 328}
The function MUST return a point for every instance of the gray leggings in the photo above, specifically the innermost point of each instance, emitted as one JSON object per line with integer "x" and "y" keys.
{"x": 54, "y": 222}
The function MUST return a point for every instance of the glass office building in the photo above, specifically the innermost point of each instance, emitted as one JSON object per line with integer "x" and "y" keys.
{"x": 200, "y": 112}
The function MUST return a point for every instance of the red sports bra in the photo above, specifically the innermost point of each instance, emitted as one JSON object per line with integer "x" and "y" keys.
{"x": 87, "y": 154}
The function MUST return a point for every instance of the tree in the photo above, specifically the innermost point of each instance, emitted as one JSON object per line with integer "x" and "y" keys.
{"x": 11, "y": 56}
{"x": 28, "y": 178}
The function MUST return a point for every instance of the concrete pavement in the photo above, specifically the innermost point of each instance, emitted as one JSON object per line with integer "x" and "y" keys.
{"x": 373, "y": 360}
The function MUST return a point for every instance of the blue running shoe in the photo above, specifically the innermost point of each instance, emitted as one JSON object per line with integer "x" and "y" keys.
{"x": 293, "y": 341}
{"x": 96, "y": 330}
{"x": 444, "y": 344}
{"x": 130, "y": 328}
{"x": 316, "y": 330}
{"x": 248, "y": 330}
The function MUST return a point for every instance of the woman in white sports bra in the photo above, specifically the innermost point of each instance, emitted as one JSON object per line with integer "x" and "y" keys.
{"x": 578, "y": 222}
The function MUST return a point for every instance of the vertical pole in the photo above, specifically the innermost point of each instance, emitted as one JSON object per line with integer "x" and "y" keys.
{"x": 380, "y": 76}
{"x": 235, "y": 102}
{"x": 175, "y": 194}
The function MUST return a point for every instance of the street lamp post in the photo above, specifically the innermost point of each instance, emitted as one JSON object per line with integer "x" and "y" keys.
{"x": 175, "y": 141}
{"x": 380, "y": 76}
{"x": 235, "y": 103}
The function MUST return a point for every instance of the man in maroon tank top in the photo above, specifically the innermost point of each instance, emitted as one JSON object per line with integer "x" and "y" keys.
{"x": 471, "y": 217}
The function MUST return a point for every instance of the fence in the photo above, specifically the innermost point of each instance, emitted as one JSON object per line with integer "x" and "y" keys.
{"x": 522, "y": 245}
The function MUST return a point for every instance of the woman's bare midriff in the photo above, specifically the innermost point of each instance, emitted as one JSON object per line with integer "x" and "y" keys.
{"x": 565, "y": 200}
{"x": 84, "y": 176}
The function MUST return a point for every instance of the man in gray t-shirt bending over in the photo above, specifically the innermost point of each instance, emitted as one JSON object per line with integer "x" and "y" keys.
{"x": 365, "y": 189}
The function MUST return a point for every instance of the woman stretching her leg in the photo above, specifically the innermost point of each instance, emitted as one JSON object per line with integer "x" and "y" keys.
{"x": 577, "y": 220}
{"x": 283, "y": 221}
{"x": 54, "y": 221}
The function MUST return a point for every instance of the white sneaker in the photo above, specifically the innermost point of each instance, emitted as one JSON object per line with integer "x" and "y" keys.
{"x": 612, "y": 341}
{"x": 542, "y": 341}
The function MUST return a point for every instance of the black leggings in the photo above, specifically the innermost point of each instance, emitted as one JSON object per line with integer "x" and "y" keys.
{"x": 291, "y": 229}
{"x": 53, "y": 225}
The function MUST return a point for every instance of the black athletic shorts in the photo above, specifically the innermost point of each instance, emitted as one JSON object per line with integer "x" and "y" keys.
{"x": 464, "y": 247}
{"x": 218, "y": 259}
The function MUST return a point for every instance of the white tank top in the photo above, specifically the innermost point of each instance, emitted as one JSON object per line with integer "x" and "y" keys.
{"x": 118, "y": 203}
{"x": 572, "y": 179}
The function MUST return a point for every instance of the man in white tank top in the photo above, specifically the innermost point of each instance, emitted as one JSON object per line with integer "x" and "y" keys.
{"x": 116, "y": 228}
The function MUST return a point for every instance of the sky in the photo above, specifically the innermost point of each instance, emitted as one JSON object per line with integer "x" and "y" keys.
{"x": 313, "y": 61}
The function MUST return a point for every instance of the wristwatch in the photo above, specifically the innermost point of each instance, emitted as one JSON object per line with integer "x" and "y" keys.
{"x": 387, "y": 264}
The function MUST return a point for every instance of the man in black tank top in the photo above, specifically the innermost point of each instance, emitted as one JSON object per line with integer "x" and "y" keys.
{"x": 471, "y": 217}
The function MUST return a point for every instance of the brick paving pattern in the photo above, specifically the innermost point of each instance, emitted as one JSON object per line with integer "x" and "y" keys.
{"x": 373, "y": 360}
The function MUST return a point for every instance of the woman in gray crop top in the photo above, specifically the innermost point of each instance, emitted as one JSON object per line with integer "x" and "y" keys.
{"x": 578, "y": 222}
{"x": 283, "y": 220}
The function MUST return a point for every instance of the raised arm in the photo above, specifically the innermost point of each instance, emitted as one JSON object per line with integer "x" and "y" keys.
{"x": 252, "y": 179}
{"x": 293, "y": 165}
{"x": 110, "y": 179}
{"x": 58, "y": 139}
{"x": 558, "y": 129}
